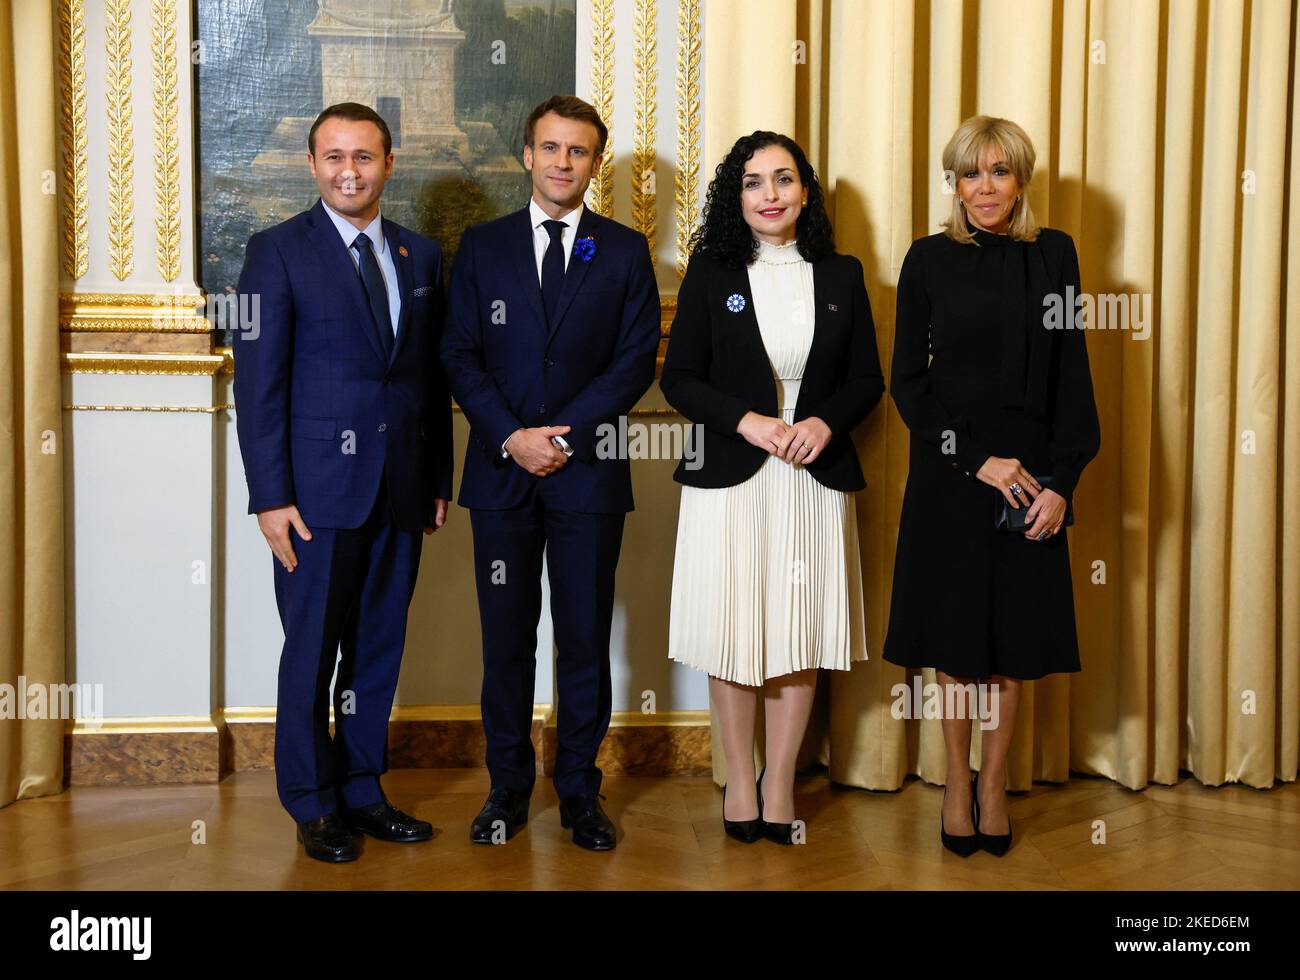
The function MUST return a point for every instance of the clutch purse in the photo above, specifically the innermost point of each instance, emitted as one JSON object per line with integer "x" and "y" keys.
{"x": 1008, "y": 518}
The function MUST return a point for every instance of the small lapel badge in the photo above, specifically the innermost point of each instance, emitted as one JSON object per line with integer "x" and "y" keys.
{"x": 585, "y": 248}
{"x": 423, "y": 290}
{"x": 735, "y": 302}
{"x": 401, "y": 250}
{"x": 832, "y": 307}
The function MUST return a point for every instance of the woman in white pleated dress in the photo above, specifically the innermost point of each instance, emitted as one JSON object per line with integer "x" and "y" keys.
{"x": 773, "y": 355}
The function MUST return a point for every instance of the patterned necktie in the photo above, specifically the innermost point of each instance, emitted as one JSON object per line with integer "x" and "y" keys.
{"x": 376, "y": 293}
{"x": 553, "y": 269}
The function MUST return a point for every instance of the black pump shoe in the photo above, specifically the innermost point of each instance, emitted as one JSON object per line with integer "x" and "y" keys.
{"x": 995, "y": 844}
{"x": 746, "y": 831}
{"x": 963, "y": 845}
{"x": 781, "y": 833}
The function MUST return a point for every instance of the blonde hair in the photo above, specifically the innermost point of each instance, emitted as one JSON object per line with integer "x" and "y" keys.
{"x": 965, "y": 152}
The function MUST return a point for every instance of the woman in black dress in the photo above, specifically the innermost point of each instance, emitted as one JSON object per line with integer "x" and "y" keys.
{"x": 998, "y": 397}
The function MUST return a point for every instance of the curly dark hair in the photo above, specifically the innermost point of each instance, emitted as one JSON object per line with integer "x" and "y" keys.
{"x": 723, "y": 231}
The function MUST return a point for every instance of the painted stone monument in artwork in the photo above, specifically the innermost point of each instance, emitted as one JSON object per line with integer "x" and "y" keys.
{"x": 398, "y": 57}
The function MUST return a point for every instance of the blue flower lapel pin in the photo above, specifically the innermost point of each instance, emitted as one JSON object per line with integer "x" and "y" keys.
{"x": 735, "y": 302}
{"x": 585, "y": 248}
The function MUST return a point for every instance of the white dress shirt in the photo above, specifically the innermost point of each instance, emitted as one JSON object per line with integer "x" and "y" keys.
{"x": 374, "y": 231}
{"x": 542, "y": 237}
{"x": 541, "y": 242}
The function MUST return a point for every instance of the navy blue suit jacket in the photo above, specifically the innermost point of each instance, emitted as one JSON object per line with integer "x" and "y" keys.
{"x": 321, "y": 414}
{"x": 508, "y": 367}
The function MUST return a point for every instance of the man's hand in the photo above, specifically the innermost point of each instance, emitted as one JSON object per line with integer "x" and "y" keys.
{"x": 439, "y": 515}
{"x": 803, "y": 441}
{"x": 762, "y": 431}
{"x": 275, "y": 524}
{"x": 533, "y": 450}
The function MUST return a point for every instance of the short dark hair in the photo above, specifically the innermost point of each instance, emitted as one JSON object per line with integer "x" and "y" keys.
{"x": 570, "y": 107}
{"x": 356, "y": 112}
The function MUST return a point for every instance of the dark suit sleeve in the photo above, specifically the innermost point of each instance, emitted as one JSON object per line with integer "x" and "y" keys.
{"x": 909, "y": 382}
{"x": 616, "y": 390}
{"x": 865, "y": 383}
{"x": 685, "y": 379}
{"x": 1076, "y": 432}
{"x": 263, "y": 353}
{"x": 490, "y": 416}
{"x": 437, "y": 419}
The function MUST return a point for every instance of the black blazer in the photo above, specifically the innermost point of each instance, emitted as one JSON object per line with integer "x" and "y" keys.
{"x": 716, "y": 369}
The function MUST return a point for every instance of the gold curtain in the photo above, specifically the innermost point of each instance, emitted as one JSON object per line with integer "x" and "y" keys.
{"x": 31, "y": 418}
{"x": 1165, "y": 149}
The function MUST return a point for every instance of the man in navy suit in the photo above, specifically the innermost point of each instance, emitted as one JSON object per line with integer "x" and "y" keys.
{"x": 552, "y": 327}
{"x": 344, "y": 423}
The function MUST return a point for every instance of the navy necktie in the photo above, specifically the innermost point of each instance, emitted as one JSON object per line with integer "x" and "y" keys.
{"x": 376, "y": 293}
{"x": 553, "y": 269}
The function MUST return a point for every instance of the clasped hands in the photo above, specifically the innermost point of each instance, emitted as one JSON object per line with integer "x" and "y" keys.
{"x": 1047, "y": 510}
{"x": 798, "y": 442}
{"x": 533, "y": 450}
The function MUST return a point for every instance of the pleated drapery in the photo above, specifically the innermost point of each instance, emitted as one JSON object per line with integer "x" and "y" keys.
{"x": 31, "y": 431}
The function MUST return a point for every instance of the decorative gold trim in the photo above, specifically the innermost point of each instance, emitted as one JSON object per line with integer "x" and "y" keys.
{"x": 133, "y": 312}
{"x": 72, "y": 126}
{"x": 121, "y": 155}
{"x": 265, "y": 714}
{"x": 113, "y": 323}
{"x": 167, "y": 158}
{"x": 602, "y": 99}
{"x": 172, "y": 364}
{"x": 133, "y": 301}
{"x": 686, "y": 177}
{"x": 645, "y": 100}
{"x": 660, "y": 719}
{"x": 200, "y": 409}
{"x": 142, "y": 725}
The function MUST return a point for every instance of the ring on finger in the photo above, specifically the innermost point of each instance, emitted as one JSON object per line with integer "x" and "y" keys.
{"x": 1015, "y": 488}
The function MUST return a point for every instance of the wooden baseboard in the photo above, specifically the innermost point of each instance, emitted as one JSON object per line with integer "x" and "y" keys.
{"x": 125, "y": 751}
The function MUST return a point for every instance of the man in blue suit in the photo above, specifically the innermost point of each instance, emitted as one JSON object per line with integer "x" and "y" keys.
{"x": 344, "y": 424}
{"x": 552, "y": 327}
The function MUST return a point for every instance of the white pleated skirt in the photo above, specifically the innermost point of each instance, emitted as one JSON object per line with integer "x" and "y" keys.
{"x": 767, "y": 578}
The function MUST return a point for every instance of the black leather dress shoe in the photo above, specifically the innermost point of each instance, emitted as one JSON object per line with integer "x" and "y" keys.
{"x": 591, "y": 828}
{"x": 384, "y": 821}
{"x": 505, "y": 811}
{"x": 327, "y": 839}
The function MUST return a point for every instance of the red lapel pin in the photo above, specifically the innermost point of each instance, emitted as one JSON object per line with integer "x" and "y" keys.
{"x": 401, "y": 250}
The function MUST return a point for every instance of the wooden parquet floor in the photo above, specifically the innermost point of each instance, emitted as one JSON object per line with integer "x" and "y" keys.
{"x": 670, "y": 837}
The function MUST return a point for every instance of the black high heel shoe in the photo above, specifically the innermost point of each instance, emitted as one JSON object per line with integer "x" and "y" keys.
{"x": 781, "y": 833}
{"x": 995, "y": 844}
{"x": 747, "y": 831}
{"x": 963, "y": 845}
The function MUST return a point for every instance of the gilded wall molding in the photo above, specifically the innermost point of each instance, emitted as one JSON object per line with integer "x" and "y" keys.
{"x": 196, "y": 409}
{"x": 135, "y": 301}
{"x": 169, "y": 364}
{"x": 167, "y": 157}
{"x": 133, "y": 312}
{"x": 602, "y": 99}
{"x": 121, "y": 155}
{"x": 686, "y": 175}
{"x": 645, "y": 101}
{"x": 72, "y": 131}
